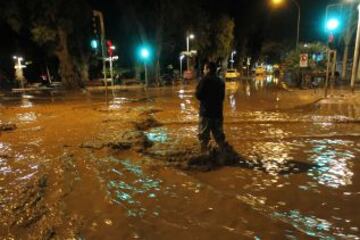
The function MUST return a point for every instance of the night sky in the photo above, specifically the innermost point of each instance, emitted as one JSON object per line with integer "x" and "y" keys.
{"x": 269, "y": 24}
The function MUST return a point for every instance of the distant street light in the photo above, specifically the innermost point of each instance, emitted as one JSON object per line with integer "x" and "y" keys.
{"x": 232, "y": 59}
{"x": 188, "y": 37}
{"x": 181, "y": 58}
{"x": 278, "y": 2}
{"x": 145, "y": 55}
{"x": 111, "y": 60}
{"x": 19, "y": 70}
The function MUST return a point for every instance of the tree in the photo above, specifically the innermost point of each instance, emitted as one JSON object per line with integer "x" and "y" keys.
{"x": 317, "y": 57}
{"x": 57, "y": 26}
{"x": 274, "y": 52}
{"x": 216, "y": 38}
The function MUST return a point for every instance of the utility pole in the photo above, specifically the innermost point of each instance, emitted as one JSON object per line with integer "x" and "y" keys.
{"x": 298, "y": 23}
{"x": 102, "y": 40}
{"x": 347, "y": 40}
{"x": 188, "y": 37}
{"x": 356, "y": 54}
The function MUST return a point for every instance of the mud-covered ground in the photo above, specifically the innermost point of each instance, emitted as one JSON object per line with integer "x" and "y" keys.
{"x": 75, "y": 166}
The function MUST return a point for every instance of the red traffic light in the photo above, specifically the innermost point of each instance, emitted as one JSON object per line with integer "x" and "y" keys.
{"x": 110, "y": 47}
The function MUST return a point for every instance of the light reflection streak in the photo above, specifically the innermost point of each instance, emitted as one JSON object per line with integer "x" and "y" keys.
{"x": 27, "y": 117}
{"x": 26, "y": 103}
{"x": 334, "y": 164}
{"x": 131, "y": 195}
{"x": 158, "y": 135}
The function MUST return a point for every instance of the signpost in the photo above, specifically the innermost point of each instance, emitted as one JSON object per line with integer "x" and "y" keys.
{"x": 304, "y": 60}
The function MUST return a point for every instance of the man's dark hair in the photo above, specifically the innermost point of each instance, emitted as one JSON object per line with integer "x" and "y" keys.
{"x": 212, "y": 67}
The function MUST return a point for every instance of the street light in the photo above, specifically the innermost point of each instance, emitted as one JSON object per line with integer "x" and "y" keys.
{"x": 181, "y": 58}
{"x": 19, "y": 70}
{"x": 188, "y": 37}
{"x": 232, "y": 59}
{"x": 278, "y": 2}
{"x": 332, "y": 24}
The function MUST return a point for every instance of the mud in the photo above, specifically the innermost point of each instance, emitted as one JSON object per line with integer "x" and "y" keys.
{"x": 80, "y": 167}
{"x": 7, "y": 127}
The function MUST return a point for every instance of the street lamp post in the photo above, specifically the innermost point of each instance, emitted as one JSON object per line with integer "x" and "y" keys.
{"x": 19, "y": 70}
{"x": 188, "y": 37}
{"x": 232, "y": 59}
{"x": 111, "y": 60}
{"x": 277, "y": 2}
{"x": 181, "y": 65}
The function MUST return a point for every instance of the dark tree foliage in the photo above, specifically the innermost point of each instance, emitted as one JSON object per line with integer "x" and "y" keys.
{"x": 60, "y": 27}
{"x": 167, "y": 23}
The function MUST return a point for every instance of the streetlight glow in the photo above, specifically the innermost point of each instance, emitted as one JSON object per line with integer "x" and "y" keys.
{"x": 144, "y": 53}
{"x": 277, "y": 2}
{"x": 332, "y": 24}
{"x": 192, "y": 36}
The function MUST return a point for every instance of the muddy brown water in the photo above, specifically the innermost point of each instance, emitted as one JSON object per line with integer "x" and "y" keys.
{"x": 300, "y": 181}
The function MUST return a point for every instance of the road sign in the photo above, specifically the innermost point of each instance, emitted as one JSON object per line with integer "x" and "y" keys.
{"x": 304, "y": 60}
{"x": 248, "y": 61}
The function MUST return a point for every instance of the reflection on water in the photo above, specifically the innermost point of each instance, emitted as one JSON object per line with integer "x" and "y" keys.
{"x": 187, "y": 109}
{"x": 116, "y": 103}
{"x": 158, "y": 135}
{"x": 26, "y": 103}
{"x": 130, "y": 195}
{"x": 334, "y": 163}
{"x": 232, "y": 100}
{"x": 314, "y": 226}
{"x": 27, "y": 117}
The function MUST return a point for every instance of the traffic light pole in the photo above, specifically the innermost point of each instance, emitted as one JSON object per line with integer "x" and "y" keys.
{"x": 146, "y": 75}
{"x": 103, "y": 50}
{"x": 331, "y": 66}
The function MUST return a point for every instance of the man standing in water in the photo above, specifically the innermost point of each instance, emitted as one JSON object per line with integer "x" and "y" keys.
{"x": 211, "y": 93}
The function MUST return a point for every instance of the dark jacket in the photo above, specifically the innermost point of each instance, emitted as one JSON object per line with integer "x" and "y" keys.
{"x": 211, "y": 93}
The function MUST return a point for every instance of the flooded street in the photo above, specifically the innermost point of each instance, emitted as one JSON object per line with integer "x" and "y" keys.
{"x": 79, "y": 167}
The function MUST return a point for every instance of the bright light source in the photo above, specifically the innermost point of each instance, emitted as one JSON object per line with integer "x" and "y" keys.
{"x": 277, "y": 2}
{"x": 14, "y": 57}
{"x": 332, "y": 24}
{"x": 144, "y": 53}
{"x": 191, "y": 36}
{"x": 113, "y": 47}
{"x": 94, "y": 44}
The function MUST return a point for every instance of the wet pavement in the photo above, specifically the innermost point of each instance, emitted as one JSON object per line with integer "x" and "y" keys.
{"x": 74, "y": 166}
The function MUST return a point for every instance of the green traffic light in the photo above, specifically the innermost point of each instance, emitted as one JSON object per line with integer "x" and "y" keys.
{"x": 94, "y": 44}
{"x": 145, "y": 53}
{"x": 332, "y": 24}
